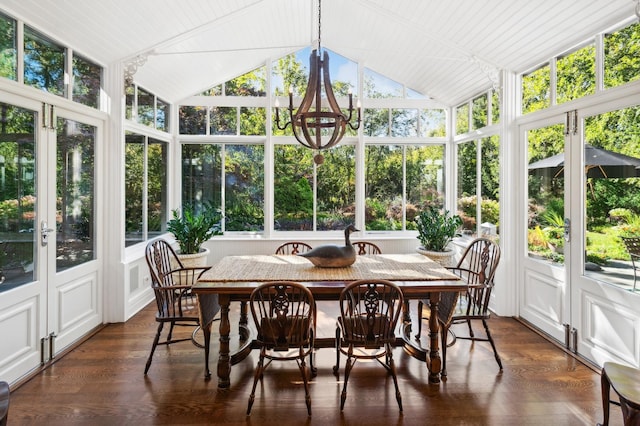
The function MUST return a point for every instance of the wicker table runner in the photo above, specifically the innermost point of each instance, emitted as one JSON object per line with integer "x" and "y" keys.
{"x": 262, "y": 268}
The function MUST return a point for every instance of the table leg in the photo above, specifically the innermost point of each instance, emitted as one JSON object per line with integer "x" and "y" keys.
{"x": 244, "y": 321}
{"x": 224, "y": 360}
{"x": 406, "y": 314}
{"x": 435, "y": 363}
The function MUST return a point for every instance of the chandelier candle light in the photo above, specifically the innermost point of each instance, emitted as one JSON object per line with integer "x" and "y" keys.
{"x": 316, "y": 128}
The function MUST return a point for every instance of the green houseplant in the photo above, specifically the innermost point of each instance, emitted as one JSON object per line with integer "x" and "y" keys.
{"x": 436, "y": 229}
{"x": 192, "y": 229}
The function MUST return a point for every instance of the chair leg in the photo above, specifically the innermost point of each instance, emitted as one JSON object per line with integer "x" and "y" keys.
{"x": 392, "y": 368}
{"x": 336, "y": 368}
{"x": 443, "y": 343}
{"x": 347, "y": 369}
{"x": 314, "y": 370}
{"x": 303, "y": 372}
{"x": 170, "y": 333}
{"x": 493, "y": 345}
{"x": 470, "y": 329}
{"x": 153, "y": 347}
{"x": 605, "y": 387}
{"x": 256, "y": 377}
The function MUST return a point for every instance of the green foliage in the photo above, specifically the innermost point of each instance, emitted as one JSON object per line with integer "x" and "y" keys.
{"x": 192, "y": 229}
{"x": 436, "y": 229}
{"x": 552, "y": 218}
{"x": 294, "y": 197}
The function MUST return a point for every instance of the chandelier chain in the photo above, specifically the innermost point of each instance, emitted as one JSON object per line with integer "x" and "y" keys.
{"x": 320, "y": 23}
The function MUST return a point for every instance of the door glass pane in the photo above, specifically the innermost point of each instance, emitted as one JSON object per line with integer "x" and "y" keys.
{"x": 546, "y": 193}
{"x": 75, "y": 209}
{"x": 17, "y": 196}
{"x": 612, "y": 192}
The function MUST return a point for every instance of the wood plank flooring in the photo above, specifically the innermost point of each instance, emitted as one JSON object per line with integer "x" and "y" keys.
{"x": 101, "y": 382}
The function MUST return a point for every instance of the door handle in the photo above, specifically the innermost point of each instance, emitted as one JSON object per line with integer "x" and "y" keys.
{"x": 44, "y": 232}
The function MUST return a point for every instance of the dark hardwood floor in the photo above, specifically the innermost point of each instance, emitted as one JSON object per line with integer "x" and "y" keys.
{"x": 101, "y": 382}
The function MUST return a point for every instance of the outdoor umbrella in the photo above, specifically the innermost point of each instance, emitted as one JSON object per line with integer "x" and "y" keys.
{"x": 599, "y": 163}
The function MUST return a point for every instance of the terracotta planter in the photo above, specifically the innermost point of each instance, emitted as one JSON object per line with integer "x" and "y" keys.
{"x": 444, "y": 258}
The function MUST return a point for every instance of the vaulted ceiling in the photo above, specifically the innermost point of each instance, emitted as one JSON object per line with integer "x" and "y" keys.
{"x": 448, "y": 50}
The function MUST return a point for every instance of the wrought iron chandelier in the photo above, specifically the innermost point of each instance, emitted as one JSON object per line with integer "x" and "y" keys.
{"x": 314, "y": 127}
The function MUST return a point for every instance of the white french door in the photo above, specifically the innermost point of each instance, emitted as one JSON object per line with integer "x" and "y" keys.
{"x": 50, "y": 294}
{"x": 544, "y": 296}
{"x": 576, "y": 280}
{"x": 605, "y": 313}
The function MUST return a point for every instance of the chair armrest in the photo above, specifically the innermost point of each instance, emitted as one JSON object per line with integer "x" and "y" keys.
{"x": 188, "y": 275}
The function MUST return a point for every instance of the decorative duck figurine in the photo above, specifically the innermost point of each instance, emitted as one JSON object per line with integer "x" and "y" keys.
{"x": 332, "y": 256}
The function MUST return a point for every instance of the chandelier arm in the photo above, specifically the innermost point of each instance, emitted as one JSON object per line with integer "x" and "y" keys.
{"x": 278, "y": 120}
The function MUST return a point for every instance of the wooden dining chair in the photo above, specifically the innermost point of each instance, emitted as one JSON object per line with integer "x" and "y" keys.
{"x": 625, "y": 382}
{"x": 369, "y": 312}
{"x": 4, "y": 403}
{"x": 284, "y": 313}
{"x": 171, "y": 283}
{"x": 366, "y": 247}
{"x": 477, "y": 268}
{"x": 293, "y": 247}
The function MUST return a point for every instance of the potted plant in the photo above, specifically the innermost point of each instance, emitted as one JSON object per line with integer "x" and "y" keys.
{"x": 192, "y": 229}
{"x": 436, "y": 229}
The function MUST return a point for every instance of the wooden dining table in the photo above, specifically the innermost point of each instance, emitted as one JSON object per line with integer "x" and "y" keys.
{"x": 233, "y": 278}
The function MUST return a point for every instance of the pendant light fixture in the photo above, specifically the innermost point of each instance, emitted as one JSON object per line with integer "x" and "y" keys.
{"x": 316, "y": 126}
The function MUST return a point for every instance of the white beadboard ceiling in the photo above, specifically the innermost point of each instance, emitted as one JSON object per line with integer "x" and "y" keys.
{"x": 444, "y": 49}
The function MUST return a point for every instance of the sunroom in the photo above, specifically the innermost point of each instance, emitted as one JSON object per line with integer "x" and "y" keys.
{"x": 116, "y": 114}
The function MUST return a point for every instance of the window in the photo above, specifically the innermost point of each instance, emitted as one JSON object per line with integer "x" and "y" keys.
{"x": 621, "y": 53}
{"x": 230, "y": 172}
{"x": 86, "y": 82}
{"x": 462, "y": 119}
{"x": 536, "y": 90}
{"x": 479, "y": 111}
{"x": 146, "y": 108}
{"x": 311, "y": 197}
{"x": 433, "y": 123}
{"x": 8, "y": 48}
{"x": 377, "y": 86}
{"x": 479, "y": 183}
{"x": 576, "y": 74}
{"x": 226, "y": 168}
{"x": 44, "y": 63}
{"x": 145, "y": 187}
{"x": 399, "y": 180}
